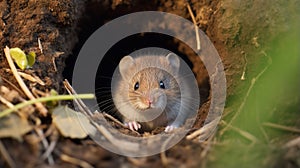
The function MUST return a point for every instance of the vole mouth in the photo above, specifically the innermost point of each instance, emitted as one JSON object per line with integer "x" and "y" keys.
{"x": 151, "y": 113}
{"x": 143, "y": 109}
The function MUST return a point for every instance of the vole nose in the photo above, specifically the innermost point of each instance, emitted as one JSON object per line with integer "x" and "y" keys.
{"x": 149, "y": 101}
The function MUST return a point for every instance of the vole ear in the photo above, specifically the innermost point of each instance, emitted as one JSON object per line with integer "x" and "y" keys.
{"x": 124, "y": 65}
{"x": 174, "y": 62}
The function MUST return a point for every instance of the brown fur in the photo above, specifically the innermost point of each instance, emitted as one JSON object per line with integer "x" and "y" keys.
{"x": 148, "y": 71}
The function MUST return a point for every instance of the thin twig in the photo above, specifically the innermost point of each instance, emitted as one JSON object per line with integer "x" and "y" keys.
{"x": 6, "y": 156}
{"x": 54, "y": 64}
{"x": 114, "y": 120}
{"x": 82, "y": 107}
{"x": 205, "y": 130}
{"x": 29, "y": 77}
{"x": 245, "y": 68}
{"x": 49, "y": 150}
{"x": 56, "y": 55}
{"x": 103, "y": 115}
{"x": 37, "y": 92}
{"x": 75, "y": 161}
{"x": 14, "y": 86}
{"x": 45, "y": 144}
{"x": 40, "y": 45}
{"x": 51, "y": 130}
{"x": 52, "y": 145}
{"x": 245, "y": 134}
{"x": 196, "y": 27}
{"x": 7, "y": 103}
{"x": 23, "y": 86}
{"x": 264, "y": 133}
{"x": 282, "y": 127}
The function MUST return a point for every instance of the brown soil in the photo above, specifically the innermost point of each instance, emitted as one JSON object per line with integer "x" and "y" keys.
{"x": 64, "y": 25}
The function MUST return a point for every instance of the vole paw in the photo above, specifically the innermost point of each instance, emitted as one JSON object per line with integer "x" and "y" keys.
{"x": 133, "y": 125}
{"x": 170, "y": 128}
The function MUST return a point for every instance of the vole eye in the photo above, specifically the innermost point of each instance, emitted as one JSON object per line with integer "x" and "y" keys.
{"x": 136, "y": 85}
{"x": 161, "y": 85}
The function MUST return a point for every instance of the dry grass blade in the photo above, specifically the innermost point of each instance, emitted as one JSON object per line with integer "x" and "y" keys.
{"x": 37, "y": 92}
{"x": 245, "y": 67}
{"x": 6, "y": 156}
{"x": 29, "y": 77}
{"x": 49, "y": 150}
{"x": 57, "y": 54}
{"x": 13, "y": 86}
{"x": 7, "y": 103}
{"x": 282, "y": 127}
{"x": 54, "y": 64}
{"x": 243, "y": 133}
{"x": 204, "y": 131}
{"x": 45, "y": 144}
{"x": 40, "y": 45}
{"x": 196, "y": 27}
{"x": 75, "y": 161}
{"x": 114, "y": 120}
{"x": 26, "y": 90}
{"x": 82, "y": 107}
{"x": 32, "y": 78}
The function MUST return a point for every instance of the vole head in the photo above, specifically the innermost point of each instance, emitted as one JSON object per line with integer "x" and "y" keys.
{"x": 151, "y": 81}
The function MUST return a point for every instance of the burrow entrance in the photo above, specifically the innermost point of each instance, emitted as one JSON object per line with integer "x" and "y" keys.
{"x": 88, "y": 25}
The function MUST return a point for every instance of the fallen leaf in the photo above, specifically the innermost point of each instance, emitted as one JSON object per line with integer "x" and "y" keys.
{"x": 31, "y": 58}
{"x": 19, "y": 57}
{"x": 71, "y": 123}
{"x": 13, "y": 126}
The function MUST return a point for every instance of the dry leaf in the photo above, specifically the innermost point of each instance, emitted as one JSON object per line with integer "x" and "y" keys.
{"x": 13, "y": 126}
{"x": 71, "y": 123}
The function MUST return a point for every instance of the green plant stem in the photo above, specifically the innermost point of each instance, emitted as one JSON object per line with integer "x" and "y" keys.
{"x": 44, "y": 99}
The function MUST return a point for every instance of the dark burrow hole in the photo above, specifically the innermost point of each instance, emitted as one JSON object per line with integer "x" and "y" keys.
{"x": 123, "y": 48}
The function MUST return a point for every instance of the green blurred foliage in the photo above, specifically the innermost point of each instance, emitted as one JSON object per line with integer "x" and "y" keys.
{"x": 274, "y": 98}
